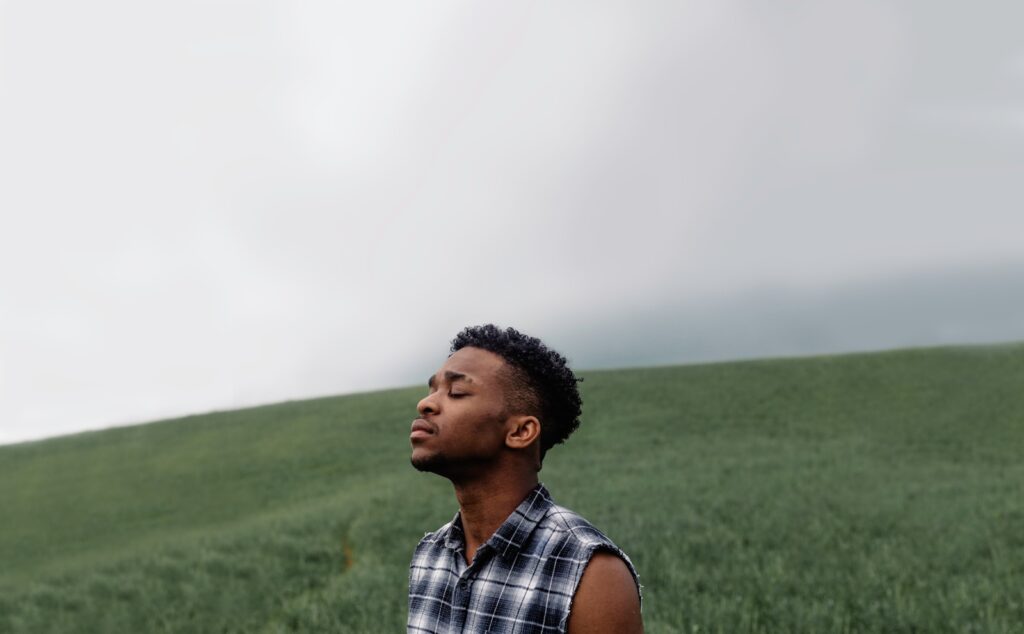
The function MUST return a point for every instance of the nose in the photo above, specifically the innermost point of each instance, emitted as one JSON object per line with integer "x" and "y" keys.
{"x": 427, "y": 405}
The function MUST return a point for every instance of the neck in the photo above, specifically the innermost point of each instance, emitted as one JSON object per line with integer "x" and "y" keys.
{"x": 486, "y": 502}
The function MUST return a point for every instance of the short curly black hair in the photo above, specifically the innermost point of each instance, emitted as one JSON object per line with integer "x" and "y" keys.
{"x": 540, "y": 381}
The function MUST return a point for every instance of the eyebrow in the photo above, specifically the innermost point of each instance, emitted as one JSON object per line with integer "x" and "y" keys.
{"x": 450, "y": 376}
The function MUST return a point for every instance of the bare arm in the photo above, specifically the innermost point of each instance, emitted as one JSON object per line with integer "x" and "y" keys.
{"x": 606, "y": 601}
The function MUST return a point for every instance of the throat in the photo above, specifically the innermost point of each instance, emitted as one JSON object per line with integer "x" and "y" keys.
{"x": 483, "y": 509}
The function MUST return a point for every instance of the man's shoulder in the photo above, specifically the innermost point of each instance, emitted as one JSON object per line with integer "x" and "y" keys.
{"x": 568, "y": 533}
{"x": 573, "y": 534}
{"x": 572, "y": 526}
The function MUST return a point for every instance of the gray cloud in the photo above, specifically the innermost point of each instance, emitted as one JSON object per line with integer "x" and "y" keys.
{"x": 972, "y": 305}
{"x": 204, "y": 207}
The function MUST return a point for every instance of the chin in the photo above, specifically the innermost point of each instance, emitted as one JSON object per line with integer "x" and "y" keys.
{"x": 430, "y": 463}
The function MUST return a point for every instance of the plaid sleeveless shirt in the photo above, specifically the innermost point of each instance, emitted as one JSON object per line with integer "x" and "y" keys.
{"x": 521, "y": 581}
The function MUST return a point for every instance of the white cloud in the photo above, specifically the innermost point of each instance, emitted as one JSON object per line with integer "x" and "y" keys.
{"x": 207, "y": 205}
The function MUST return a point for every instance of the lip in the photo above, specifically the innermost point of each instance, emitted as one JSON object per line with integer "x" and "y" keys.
{"x": 420, "y": 429}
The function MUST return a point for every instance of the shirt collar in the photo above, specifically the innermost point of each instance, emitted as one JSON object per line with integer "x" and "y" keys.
{"x": 513, "y": 533}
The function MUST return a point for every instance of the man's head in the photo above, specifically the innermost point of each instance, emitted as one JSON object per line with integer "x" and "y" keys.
{"x": 500, "y": 393}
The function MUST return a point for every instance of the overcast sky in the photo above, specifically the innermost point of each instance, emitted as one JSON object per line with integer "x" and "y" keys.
{"x": 212, "y": 204}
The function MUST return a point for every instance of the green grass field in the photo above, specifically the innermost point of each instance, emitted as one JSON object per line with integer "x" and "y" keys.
{"x": 876, "y": 492}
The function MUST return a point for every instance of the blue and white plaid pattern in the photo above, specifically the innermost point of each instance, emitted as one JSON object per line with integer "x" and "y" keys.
{"x": 522, "y": 580}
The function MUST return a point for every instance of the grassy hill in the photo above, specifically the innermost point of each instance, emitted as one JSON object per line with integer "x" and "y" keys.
{"x": 861, "y": 493}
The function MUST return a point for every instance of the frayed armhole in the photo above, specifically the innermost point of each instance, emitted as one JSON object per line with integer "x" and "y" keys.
{"x": 563, "y": 626}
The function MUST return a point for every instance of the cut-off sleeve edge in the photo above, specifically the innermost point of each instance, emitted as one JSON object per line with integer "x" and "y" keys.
{"x": 582, "y": 566}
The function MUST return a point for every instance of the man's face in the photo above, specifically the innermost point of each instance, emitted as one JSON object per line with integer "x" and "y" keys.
{"x": 461, "y": 427}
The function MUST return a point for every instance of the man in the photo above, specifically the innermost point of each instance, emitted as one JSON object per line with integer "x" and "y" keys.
{"x": 510, "y": 560}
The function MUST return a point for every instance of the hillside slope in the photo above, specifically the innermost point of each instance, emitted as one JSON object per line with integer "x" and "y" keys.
{"x": 877, "y": 492}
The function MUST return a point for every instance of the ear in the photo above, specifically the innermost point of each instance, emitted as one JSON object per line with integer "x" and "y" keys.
{"x": 522, "y": 432}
